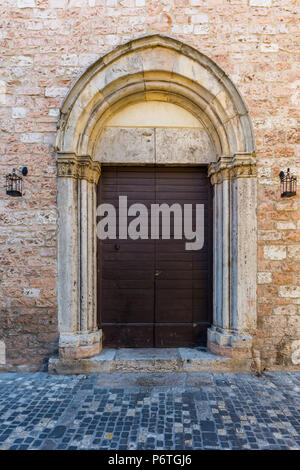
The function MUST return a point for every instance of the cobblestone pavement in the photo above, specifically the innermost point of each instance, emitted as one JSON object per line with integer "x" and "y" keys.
{"x": 150, "y": 411}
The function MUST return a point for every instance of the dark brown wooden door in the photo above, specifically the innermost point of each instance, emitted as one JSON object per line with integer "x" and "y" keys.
{"x": 155, "y": 293}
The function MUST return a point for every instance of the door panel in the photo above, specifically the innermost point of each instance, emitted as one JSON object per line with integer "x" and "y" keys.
{"x": 128, "y": 335}
{"x": 155, "y": 293}
{"x": 125, "y": 267}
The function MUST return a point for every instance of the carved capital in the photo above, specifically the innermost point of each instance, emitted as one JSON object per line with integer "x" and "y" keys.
{"x": 67, "y": 165}
{"x": 244, "y": 165}
{"x": 88, "y": 169}
{"x": 241, "y": 165}
{"x": 70, "y": 166}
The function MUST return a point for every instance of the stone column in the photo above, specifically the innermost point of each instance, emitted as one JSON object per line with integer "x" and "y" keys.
{"x": 235, "y": 256}
{"x": 77, "y": 281}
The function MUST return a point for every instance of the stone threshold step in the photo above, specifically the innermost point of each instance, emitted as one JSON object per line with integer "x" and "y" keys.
{"x": 146, "y": 360}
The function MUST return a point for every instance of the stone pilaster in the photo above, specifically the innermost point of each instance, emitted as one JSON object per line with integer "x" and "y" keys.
{"x": 77, "y": 279}
{"x": 234, "y": 317}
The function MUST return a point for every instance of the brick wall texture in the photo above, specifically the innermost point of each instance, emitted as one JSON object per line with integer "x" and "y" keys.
{"x": 45, "y": 46}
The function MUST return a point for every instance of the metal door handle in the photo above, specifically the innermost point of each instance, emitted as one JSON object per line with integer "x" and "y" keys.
{"x": 157, "y": 272}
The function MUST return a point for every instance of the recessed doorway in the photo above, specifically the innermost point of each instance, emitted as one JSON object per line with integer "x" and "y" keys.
{"x": 155, "y": 293}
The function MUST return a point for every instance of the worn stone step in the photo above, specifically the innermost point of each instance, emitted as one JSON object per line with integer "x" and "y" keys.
{"x": 146, "y": 360}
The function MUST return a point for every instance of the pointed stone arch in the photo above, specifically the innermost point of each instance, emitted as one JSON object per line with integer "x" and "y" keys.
{"x": 156, "y": 68}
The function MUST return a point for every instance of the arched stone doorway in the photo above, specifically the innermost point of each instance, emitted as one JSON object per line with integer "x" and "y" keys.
{"x": 157, "y": 69}
{"x": 155, "y": 292}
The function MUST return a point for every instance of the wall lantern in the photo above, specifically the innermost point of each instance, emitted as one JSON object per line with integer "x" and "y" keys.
{"x": 288, "y": 184}
{"x": 14, "y": 182}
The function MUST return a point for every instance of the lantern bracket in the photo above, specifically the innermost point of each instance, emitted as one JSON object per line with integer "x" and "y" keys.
{"x": 288, "y": 184}
{"x": 14, "y": 182}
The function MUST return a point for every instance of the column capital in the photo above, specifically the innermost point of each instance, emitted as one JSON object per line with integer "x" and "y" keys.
{"x": 240, "y": 165}
{"x": 83, "y": 167}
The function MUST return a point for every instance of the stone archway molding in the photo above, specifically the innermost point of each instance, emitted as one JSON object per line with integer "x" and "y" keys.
{"x": 156, "y": 68}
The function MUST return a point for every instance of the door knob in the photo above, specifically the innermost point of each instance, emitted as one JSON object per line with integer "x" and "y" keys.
{"x": 157, "y": 272}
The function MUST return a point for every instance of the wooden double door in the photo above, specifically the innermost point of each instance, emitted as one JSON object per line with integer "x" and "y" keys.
{"x": 154, "y": 292}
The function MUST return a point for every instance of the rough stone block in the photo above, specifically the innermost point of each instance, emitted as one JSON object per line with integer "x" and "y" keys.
{"x": 32, "y": 137}
{"x": 202, "y": 29}
{"x": 26, "y": 4}
{"x": 2, "y": 353}
{"x": 289, "y": 291}
{"x": 183, "y": 146}
{"x": 260, "y": 3}
{"x": 53, "y": 92}
{"x": 18, "y": 113}
{"x": 275, "y": 252}
{"x": 264, "y": 278}
{"x": 2, "y": 92}
{"x": 294, "y": 252}
{"x": 126, "y": 145}
{"x": 198, "y": 19}
{"x": 57, "y": 3}
{"x": 266, "y": 47}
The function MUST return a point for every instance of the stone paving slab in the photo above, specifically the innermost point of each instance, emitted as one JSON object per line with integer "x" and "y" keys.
{"x": 137, "y": 354}
{"x": 150, "y": 411}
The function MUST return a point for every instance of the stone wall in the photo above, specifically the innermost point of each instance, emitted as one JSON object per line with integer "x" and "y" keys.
{"x": 45, "y": 46}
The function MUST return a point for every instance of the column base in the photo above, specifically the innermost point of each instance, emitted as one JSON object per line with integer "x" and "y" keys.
{"x": 80, "y": 346}
{"x": 229, "y": 343}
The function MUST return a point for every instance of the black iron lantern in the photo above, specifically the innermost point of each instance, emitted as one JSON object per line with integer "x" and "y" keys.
{"x": 288, "y": 184}
{"x": 14, "y": 182}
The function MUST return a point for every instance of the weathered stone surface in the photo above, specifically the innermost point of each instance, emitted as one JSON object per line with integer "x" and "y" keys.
{"x": 154, "y": 114}
{"x": 160, "y": 145}
{"x": 151, "y": 361}
{"x": 188, "y": 411}
{"x": 264, "y": 278}
{"x": 126, "y": 145}
{"x": 260, "y": 3}
{"x": 2, "y": 353}
{"x": 183, "y": 146}
{"x": 160, "y": 71}
{"x": 289, "y": 291}
{"x": 275, "y": 252}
